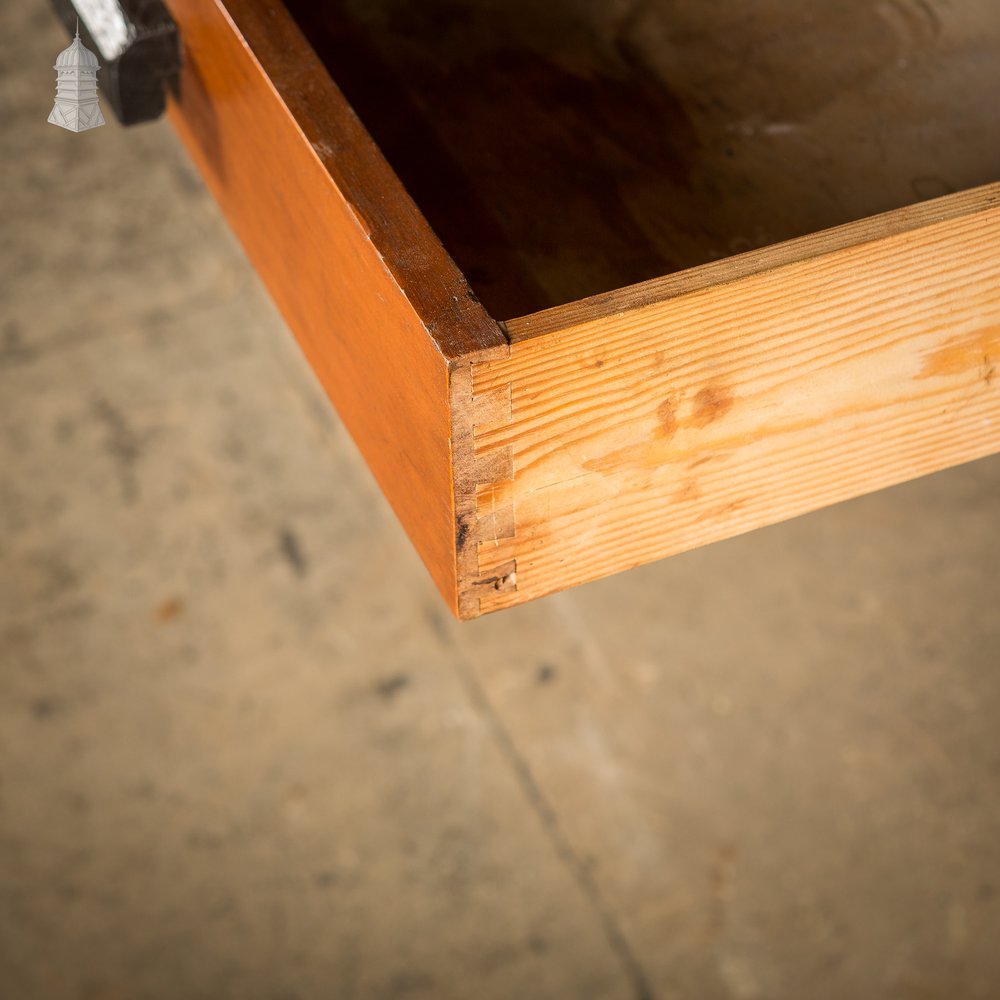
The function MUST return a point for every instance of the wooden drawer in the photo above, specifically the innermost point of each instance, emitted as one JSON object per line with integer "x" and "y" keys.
{"x": 639, "y": 276}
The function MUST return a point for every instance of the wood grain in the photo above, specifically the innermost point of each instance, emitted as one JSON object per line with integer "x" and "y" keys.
{"x": 376, "y": 304}
{"x": 670, "y": 416}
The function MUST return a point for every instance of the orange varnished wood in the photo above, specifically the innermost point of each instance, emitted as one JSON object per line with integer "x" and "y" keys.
{"x": 376, "y": 304}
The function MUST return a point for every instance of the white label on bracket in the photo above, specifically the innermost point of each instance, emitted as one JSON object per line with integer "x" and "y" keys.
{"x": 107, "y": 25}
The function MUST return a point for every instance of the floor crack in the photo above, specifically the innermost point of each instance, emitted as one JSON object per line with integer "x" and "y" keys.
{"x": 580, "y": 873}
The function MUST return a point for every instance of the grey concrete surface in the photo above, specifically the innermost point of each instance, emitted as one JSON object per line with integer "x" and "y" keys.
{"x": 245, "y": 753}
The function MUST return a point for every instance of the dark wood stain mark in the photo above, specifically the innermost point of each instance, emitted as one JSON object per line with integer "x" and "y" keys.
{"x": 710, "y": 404}
{"x": 652, "y": 452}
{"x": 975, "y": 351}
{"x": 666, "y": 415}
{"x": 723, "y": 509}
{"x": 688, "y": 493}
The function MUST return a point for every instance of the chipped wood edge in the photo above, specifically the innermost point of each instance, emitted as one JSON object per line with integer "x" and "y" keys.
{"x": 484, "y": 477}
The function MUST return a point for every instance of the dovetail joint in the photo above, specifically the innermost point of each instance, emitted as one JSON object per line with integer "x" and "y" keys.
{"x": 488, "y": 529}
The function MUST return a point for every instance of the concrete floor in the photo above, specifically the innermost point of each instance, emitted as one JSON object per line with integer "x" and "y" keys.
{"x": 244, "y": 751}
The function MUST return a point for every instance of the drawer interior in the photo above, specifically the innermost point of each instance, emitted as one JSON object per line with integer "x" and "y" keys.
{"x": 569, "y": 147}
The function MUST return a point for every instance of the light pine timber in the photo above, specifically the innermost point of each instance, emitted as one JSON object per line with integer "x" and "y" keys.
{"x": 692, "y": 408}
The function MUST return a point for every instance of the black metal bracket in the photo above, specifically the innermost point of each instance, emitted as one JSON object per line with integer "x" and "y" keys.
{"x": 135, "y": 77}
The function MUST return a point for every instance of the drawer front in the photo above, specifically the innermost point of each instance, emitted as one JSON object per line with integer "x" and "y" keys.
{"x": 379, "y": 309}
